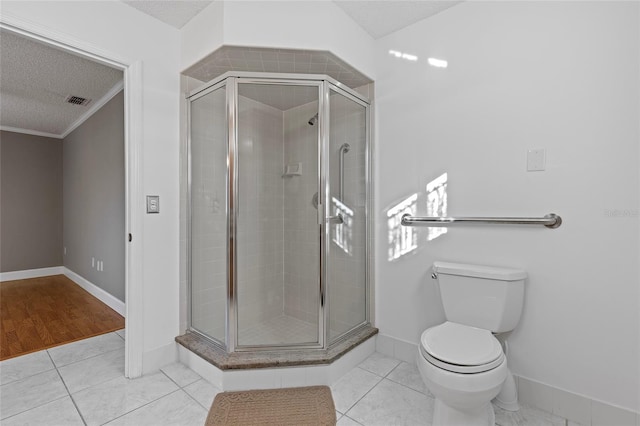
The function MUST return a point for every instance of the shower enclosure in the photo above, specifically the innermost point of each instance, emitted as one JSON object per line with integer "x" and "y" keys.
{"x": 278, "y": 246}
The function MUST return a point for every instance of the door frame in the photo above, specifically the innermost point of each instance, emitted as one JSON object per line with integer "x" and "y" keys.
{"x": 133, "y": 83}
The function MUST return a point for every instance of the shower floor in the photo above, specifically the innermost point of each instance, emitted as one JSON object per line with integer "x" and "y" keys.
{"x": 284, "y": 330}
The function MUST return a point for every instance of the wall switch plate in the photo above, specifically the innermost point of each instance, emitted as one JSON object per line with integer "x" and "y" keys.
{"x": 535, "y": 160}
{"x": 153, "y": 204}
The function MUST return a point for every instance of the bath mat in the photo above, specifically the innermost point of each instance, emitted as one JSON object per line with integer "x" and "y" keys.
{"x": 311, "y": 405}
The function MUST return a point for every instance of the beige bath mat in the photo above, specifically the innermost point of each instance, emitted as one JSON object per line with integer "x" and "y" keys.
{"x": 311, "y": 405}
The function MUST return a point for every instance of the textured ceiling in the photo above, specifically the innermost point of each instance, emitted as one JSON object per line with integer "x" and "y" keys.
{"x": 377, "y": 17}
{"x": 36, "y": 80}
{"x": 174, "y": 13}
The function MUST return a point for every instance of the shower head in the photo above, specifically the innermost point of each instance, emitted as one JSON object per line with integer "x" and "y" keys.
{"x": 313, "y": 120}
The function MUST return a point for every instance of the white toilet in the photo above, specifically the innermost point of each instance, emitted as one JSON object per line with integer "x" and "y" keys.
{"x": 461, "y": 361}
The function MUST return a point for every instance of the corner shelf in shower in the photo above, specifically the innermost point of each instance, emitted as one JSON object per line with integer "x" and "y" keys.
{"x": 271, "y": 359}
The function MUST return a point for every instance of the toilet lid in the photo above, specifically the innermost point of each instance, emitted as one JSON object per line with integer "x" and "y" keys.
{"x": 462, "y": 346}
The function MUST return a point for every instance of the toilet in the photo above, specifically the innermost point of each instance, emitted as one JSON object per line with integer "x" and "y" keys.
{"x": 461, "y": 361}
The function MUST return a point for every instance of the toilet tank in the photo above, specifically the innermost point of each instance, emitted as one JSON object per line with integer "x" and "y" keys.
{"x": 481, "y": 296}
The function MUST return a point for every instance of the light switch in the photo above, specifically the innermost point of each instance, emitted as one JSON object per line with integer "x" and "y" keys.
{"x": 153, "y": 204}
{"x": 535, "y": 160}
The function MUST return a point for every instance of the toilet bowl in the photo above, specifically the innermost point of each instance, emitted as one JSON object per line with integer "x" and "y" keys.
{"x": 464, "y": 368}
{"x": 460, "y": 361}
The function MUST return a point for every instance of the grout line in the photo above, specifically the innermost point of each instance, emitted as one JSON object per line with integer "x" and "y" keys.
{"x": 366, "y": 393}
{"x": 408, "y": 387}
{"x": 168, "y": 377}
{"x": 67, "y": 389}
{"x": 116, "y": 332}
{"x": 25, "y": 377}
{"x": 190, "y": 396}
{"x": 32, "y": 408}
{"x": 144, "y": 405}
{"x": 350, "y": 418}
{"x": 374, "y": 386}
{"x": 84, "y": 359}
{"x": 394, "y": 368}
{"x": 428, "y": 395}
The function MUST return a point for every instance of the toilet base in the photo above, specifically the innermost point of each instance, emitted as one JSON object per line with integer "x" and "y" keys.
{"x": 443, "y": 415}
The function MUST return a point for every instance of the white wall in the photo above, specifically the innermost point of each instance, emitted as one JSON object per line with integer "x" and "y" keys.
{"x": 315, "y": 25}
{"x": 562, "y": 76}
{"x": 203, "y": 34}
{"x": 124, "y": 32}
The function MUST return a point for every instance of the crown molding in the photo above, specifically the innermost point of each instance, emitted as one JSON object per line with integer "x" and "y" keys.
{"x": 29, "y": 132}
{"x": 117, "y": 88}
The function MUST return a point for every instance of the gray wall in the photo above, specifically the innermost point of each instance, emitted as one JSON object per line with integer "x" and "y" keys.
{"x": 94, "y": 196}
{"x": 30, "y": 202}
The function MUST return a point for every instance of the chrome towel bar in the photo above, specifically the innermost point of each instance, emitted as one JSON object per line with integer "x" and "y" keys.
{"x": 551, "y": 220}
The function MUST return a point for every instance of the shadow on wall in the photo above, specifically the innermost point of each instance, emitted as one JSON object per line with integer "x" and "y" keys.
{"x": 404, "y": 240}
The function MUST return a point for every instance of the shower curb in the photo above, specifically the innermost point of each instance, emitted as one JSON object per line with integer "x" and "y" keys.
{"x": 272, "y": 359}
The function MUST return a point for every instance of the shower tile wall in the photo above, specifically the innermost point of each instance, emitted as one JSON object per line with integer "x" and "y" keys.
{"x": 260, "y": 217}
{"x": 301, "y": 233}
{"x": 347, "y": 272}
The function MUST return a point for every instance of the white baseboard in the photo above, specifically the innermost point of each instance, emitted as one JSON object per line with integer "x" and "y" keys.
{"x": 155, "y": 359}
{"x": 31, "y": 273}
{"x": 97, "y": 292}
{"x": 574, "y": 407}
{"x": 208, "y": 371}
{"x": 396, "y": 348}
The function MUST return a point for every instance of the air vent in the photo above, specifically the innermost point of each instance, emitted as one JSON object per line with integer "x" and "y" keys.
{"x": 78, "y": 100}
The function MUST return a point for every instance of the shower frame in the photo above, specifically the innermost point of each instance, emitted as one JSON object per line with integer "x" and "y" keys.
{"x": 230, "y": 81}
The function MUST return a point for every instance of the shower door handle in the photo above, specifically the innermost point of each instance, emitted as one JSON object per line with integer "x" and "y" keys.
{"x": 337, "y": 219}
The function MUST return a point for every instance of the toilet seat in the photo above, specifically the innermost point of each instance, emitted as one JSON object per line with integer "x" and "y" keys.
{"x": 460, "y": 348}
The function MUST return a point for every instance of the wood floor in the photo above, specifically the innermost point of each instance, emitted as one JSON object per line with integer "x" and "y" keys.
{"x": 40, "y": 313}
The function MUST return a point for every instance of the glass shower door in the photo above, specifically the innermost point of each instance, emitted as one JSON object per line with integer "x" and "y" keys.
{"x": 208, "y": 214}
{"x": 278, "y": 237}
{"x": 348, "y": 173}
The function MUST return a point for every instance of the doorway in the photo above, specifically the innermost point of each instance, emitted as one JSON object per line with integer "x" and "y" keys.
{"x": 131, "y": 240}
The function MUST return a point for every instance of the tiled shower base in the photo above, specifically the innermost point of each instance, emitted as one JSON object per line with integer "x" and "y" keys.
{"x": 283, "y": 330}
{"x": 274, "y": 369}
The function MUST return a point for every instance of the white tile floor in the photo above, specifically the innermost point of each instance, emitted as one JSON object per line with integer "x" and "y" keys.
{"x": 82, "y": 383}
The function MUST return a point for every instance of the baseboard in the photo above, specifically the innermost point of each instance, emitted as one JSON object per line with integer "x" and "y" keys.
{"x": 397, "y": 348}
{"x": 155, "y": 359}
{"x": 208, "y": 371}
{"x": 106, "y": 298}
{"x": 31, "y": 273}
{"x": 572, "y": 406}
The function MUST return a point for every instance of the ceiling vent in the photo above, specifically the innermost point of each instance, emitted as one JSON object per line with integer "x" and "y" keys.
{"x": 77, "y": 100}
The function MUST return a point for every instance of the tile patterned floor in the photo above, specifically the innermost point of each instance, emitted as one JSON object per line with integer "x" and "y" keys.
{"x": 83, "y": 384}
{"x": 383, "y": 391}
{"x": 282, "y": 330}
